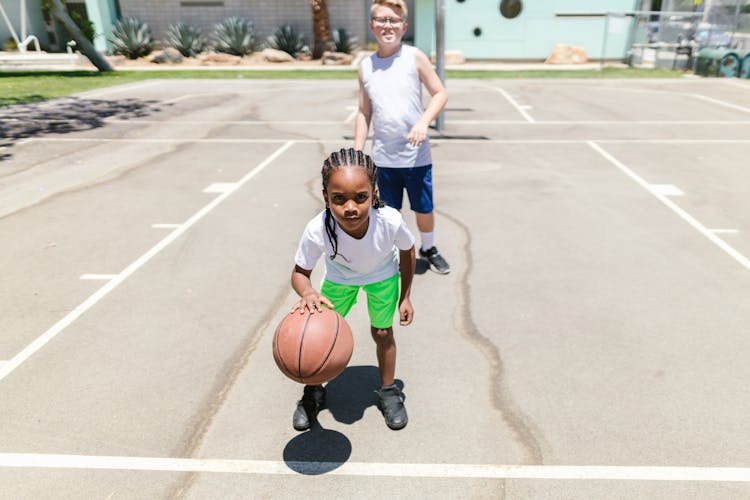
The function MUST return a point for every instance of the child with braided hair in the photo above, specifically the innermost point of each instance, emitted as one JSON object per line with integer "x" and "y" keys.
{"x": 368, "y": 246}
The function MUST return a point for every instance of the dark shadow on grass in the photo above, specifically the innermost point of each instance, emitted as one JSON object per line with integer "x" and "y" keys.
{"x": 66, "y": 115}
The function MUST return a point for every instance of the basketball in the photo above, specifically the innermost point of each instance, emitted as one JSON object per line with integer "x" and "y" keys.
{"x": 312, "y": 348}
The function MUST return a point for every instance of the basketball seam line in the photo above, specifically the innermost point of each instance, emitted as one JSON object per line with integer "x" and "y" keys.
{"x": 302, "y": 343}
{"x": 333, "y": 345}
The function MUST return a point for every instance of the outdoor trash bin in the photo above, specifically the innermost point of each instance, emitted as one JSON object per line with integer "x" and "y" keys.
{"x": 717, "y": 62}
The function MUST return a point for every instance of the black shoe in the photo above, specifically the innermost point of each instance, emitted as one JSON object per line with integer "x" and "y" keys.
{"x": 313, "y": 400}
{"x": 391, "y": 404}
{"x": 437, "y": 262}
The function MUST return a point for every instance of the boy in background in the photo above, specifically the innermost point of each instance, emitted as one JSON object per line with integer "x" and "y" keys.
{"x": 390, "y": 95}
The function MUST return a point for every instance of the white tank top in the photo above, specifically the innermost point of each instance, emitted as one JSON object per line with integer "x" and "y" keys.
{"x": 395, "y": 92}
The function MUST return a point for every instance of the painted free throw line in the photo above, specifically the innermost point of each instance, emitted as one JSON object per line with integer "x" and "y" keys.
{"x": 462, "y": 471}
{"x": 711, "y": 235}
{"x": 113, "y": 283}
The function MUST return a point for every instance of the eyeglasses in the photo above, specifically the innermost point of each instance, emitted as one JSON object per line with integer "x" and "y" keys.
{"x": 382, "y": 21}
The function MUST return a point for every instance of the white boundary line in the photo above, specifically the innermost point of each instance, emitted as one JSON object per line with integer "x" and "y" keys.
{"x": 434, "y": 138}
{"x": 274, "y": 467}
{"x": 721, "y": 103}
{"x": 87, "y": 304}
{"x": 741, "y": 259}
{"x": 513, "y": 102}
{"x": 98, "y": 277}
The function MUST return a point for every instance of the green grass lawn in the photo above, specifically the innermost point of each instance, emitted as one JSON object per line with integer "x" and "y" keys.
{"x": 27, "y": 87}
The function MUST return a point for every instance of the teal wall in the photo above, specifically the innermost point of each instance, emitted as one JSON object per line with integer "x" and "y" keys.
{"x": 103, "y": 13}
{"x": 529, "y": 36}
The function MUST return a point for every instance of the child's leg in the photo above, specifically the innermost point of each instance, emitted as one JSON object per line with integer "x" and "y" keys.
{"x": 386, "y": 350}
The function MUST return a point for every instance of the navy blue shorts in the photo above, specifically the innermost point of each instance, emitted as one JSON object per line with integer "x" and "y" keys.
{"x": 416, "y": 180}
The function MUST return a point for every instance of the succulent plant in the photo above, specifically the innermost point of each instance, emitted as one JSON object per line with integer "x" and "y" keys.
{"x": 234, "y": 35}
{"x": 344, "y": 42}
{"x": 131, "y": 38}
{"x": 186, "y": 38}
{"x": 287, "y": 39}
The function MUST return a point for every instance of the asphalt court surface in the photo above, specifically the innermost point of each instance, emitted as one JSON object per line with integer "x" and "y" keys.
{"x": 590, "y": 341}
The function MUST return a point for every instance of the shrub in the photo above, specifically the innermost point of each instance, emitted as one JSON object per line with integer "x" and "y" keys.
{"x": 234, "y": 36}
{"x": 131, "y": 38}
{"x": 344, "y": 42}
{"x": 287, "y": 39}
{"x": 186, "y": 38}
{"x": 86, "y": 26}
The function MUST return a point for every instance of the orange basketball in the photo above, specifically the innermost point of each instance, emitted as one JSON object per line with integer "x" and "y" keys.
{"x": 312, "y": 348}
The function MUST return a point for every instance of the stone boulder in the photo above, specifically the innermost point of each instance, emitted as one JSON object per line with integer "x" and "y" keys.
{"x": 276, "y": 56}
{"x": 337, "y": 58}
{"x": 167, "y": 55}
{"x": 567, "y": 54}
{"x": 214, "y": 58}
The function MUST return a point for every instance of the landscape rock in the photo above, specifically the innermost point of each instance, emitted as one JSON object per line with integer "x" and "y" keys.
{"x": 336, "y": 58}
{"x": 274, "y": 55}
{"x": 167, "y": 55}
{"x": 212, "y": 58}
{"x": 567, "y": 54}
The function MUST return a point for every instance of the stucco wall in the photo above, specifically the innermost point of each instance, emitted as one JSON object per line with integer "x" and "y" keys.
{"x": 34, "y": 21}
{"x": 266, "y": 15}
{"x": 531, "y": 35}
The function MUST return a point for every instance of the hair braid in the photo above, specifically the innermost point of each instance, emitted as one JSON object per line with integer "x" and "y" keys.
{"x": 346, "y": 158}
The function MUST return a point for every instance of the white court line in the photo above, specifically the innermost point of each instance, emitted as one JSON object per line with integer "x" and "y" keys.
{"x": 98, "y": 277}
{"x": 165, "y": 226}
{"x": 463, "y": 471}
{"x": 118, "y": 121}
{"x": 87, "y": 304}
{"x": 353, "y": 114}
{"x": 433, "y": 138}
{"x": 513, "y": 102}
{"x": 725, "y": 231}
{"x": 679, "y": 211}
{"x": 220, "y": 187}
{"x": 666, "y": 190}
{"x": 721, "y": 103}
{"x": 124, "y": 88}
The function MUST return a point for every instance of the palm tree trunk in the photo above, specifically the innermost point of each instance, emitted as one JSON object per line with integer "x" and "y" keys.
{"x": 84, "y": 45}
{"x": 322, "y": 39}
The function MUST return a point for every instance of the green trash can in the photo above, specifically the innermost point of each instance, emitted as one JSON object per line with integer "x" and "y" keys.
{"x": 717, "y": 62}
{"x": 745, "y": 69}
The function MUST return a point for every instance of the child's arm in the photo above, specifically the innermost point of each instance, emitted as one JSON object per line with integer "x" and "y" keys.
{"x": 435, "y": 87}
{"x": 309, "y": 297}
{"x": 407, "y": 263}
{"x": 362, "y": 120}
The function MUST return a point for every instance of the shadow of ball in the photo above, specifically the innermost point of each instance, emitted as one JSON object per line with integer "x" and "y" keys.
{"x": 317, "y": 451}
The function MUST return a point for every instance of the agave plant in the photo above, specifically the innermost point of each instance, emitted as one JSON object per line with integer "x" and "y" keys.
{"x": 343, "y": 41}
{"x": 131, "y": 38}
{"x": 186, "y": 38}
{"x": 234, "y": 35}
{"x": 287, "y": 39}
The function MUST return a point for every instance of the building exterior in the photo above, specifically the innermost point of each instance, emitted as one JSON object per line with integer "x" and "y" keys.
{"x": 477, "y": 28}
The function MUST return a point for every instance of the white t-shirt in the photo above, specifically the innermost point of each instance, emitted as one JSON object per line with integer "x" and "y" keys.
{"x": 370, "y": 259}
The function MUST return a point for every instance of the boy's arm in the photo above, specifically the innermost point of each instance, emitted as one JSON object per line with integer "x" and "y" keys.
{"x": 407, "y": 263}
{"x": 309, "y": 297}
{"x": 431, "y": 81}
{"x": 362, "y": 120}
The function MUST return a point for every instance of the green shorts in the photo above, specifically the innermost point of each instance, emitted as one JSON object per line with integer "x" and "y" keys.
{"x": 382, "y": 298}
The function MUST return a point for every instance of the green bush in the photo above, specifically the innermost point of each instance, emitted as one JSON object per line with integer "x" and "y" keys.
{"x": 131, "y": 38}
{"x": 287, "y": 39}
{"x": 86, "y": 26}
{"x": 186, "y": 38}
{"x": 234, "y": 35}
{"x": 344, "y": 42}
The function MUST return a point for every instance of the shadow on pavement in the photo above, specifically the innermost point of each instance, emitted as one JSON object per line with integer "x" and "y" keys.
{"x": 352, "y": 392}
{"x": 317, "y": 451}
{"x": 65, "y": 115}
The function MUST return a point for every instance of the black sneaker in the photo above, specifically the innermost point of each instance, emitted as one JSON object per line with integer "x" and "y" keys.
{"x": 391, "y": 405}
{"x": 437, "y": 262}
{"x": 313, "y": 400}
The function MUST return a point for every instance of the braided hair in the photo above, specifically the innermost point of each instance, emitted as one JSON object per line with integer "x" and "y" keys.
{"x": 346, "y": 158}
